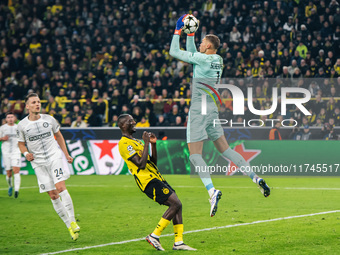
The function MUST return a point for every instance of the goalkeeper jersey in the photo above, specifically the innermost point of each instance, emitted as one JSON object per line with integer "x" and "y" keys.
{"x": 128, "y": 148}
{"x": 207, "y": 69}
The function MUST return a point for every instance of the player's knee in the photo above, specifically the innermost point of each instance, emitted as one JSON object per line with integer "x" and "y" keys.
{"x": 60, "y": 186}
{"x": 54, "y": 196}
{"x": 178, "y": 205}
{"x": 16, "y": 170}
{"x": 60, "y": 189}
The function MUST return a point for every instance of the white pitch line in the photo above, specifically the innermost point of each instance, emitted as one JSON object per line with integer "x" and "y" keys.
{"x": 228, "y": 187}
{"x": 94, "y": 185}
{"x": 305, "y": 188}
{"x": 194, "y": 231}
{"x": 69, "y": 185}
{"x": 32, "y": 187}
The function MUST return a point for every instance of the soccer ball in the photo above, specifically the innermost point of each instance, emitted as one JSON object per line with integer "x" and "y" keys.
{"x": 190, "y": 24}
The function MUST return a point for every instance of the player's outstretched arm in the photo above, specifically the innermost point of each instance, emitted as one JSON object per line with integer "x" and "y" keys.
{"x": 61, "y": 141}
{"x": 140, "y": 162}
{"x": 191, "y": 46}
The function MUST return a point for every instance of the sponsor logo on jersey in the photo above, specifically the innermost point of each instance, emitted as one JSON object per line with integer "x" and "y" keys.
{"x": 165, "y": 191}
{"x": 37, "y": 137}
{"x": 45, "y": 125}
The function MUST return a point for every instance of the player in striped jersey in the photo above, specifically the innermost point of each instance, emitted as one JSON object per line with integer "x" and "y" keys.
{"x": 37, "y": 132}
{"x": 11, "y": 155}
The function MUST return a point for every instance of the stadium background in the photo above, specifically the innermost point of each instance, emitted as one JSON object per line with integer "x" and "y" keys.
{"x": 113, "y": 57}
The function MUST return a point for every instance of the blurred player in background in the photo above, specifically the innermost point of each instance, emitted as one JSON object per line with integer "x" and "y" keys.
{"x": 11, "y": 155}
{"x": 207, "y": 69}
{"x": 37, "y": 131}
{"x": 144, "y": 169}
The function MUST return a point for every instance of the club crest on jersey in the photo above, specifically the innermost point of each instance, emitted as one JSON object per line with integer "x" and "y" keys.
{"x": 42, "y": 186}
{"x": 165, "y": 191}
{"x": 45, "y": 124}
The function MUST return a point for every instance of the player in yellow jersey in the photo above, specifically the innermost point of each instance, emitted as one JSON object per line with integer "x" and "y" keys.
{"x": 144, "y": 169}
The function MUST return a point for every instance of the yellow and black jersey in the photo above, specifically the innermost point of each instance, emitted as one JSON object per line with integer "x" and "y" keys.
{"x": 129, "y": 148}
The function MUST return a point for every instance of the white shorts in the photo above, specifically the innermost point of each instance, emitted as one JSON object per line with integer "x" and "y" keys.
{"x": 50, "y": 174}
{"x": 11, "y": 160}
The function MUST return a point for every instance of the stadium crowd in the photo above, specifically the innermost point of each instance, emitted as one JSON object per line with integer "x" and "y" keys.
{"x": 85, "y": 58}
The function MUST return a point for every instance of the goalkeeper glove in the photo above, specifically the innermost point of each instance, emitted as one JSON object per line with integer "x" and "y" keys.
{"x": 180, "y": 24}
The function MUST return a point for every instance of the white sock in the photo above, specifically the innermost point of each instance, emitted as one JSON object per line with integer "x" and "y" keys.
{"x": 9, "y": 181}
{"x": 61, "y": 211}
{"x": 178, "y": 243}
{"x": 17, "y": 181}
{"x": 211, "y": 191}
{"x": 68, "y": 204}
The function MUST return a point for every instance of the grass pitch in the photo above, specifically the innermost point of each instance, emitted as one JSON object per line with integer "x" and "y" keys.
{"x": 112, "y": 209}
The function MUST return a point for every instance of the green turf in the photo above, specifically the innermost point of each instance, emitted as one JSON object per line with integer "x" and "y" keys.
{"x": 112, "y": 209}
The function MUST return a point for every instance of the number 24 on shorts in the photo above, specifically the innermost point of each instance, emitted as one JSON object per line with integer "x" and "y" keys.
{"x": 58, "y": 172}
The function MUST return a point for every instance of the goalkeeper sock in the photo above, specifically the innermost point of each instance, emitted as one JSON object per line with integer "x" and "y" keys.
{"x": 68, "y": 204}
{"x": 9, "y": 181}
{"x": 17, "y": 181}
{"x": 162, "y": 224}
{"x": 240, "y": 162}
{"x": 203, "y": 172}
{"x": 61, "y": 211}
{"x": 178, "y": 230}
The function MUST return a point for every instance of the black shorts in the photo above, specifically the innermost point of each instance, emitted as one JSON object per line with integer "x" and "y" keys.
{"x": 158, "y": 191}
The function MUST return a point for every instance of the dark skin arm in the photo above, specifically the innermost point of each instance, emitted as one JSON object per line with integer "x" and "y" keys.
{"x": 153, "y": 140}
{"x": 140, "y": 162}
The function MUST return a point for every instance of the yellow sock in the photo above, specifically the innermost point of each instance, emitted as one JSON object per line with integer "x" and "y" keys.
{"x": 178, "y": 229}
{"x": 162, "y": 224}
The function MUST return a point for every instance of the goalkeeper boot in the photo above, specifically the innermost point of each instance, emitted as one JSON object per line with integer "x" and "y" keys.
{"x": 183, "y": 247}
{"x": 214, "y": 201}
{"x": 73, "y": 235}
{"x": 265, "y": 190}
{"x": 154, "y": 242}
{"x": 75, "y": 227}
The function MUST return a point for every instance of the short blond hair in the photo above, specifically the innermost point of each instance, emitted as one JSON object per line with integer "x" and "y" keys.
{"x": 214, "y": 40}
